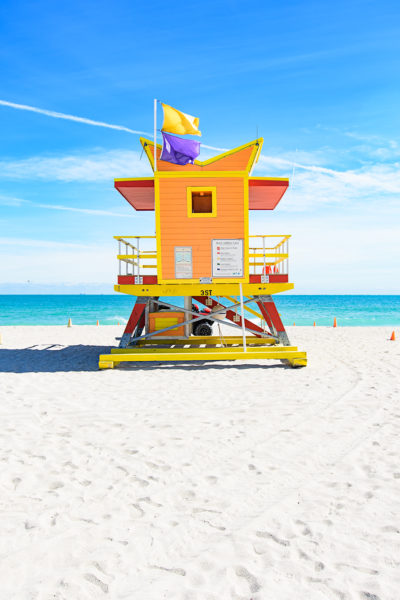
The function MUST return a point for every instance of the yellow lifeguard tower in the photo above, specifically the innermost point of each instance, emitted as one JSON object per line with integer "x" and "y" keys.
{"x": 203, "y": 253}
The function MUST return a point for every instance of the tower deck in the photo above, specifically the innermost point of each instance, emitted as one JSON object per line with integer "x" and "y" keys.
{"x": 266, "y": 270}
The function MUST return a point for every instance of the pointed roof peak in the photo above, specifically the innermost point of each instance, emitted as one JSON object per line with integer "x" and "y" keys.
{"x": 241, "y": 158}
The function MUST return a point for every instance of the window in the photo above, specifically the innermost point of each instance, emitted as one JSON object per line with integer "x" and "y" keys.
{"x": 201, "y": 202}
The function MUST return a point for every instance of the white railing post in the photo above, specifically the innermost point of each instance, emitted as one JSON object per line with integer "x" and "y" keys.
{"x": 242, "y": 315}
{"x": 119, "y": 260}
{"x": 265, "y": 269}
{"x": 126, "y": 262}
{"x": 138, "y": 259}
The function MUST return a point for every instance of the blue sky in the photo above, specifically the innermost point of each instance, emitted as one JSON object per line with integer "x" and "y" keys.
{"x": 319, "y": 81}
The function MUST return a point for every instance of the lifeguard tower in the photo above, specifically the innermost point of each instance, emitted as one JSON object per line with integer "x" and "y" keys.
{"x": 202, "y": 252}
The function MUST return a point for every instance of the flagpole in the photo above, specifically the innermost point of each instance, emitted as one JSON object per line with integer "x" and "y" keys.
{"x": 155, "y": 134}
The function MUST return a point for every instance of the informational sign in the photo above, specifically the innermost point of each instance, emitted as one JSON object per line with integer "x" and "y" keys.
{"x": 227, "y": 258}
{"x": 183, "y": 262}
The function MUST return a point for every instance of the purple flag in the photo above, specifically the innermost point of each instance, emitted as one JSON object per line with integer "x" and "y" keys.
{"x": 179, "y": 151}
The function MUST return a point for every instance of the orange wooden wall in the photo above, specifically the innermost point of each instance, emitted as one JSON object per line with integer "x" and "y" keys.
{"x": 177, "y": 229}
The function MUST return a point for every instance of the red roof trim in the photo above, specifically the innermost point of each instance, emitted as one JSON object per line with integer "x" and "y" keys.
{"x": 135, "y": 183}
{"x": 268, "y": 182}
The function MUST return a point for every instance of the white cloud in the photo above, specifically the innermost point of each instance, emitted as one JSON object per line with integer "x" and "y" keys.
{"x": 18, "y": 202}
{"x": 90, "y": 167}
{"x": 314, "y": 186}
{"x": 32, "y": 243}
{"x": 87, "y": 211}
{"x": 10, "y": 201}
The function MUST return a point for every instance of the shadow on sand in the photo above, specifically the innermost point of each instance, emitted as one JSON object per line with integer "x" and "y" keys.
{"x": 56, "y": 359}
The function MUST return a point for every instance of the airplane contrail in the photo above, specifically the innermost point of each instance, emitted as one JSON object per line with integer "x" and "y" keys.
{"x": 58, "y": 115}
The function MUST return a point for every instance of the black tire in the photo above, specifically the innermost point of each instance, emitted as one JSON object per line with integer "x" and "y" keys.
{"x": 202, "y": 329}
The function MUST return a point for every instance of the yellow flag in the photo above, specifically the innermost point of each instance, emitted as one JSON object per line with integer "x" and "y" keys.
{"x": 178, "y": 122}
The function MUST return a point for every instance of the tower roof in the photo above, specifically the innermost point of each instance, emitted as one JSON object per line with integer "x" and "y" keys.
{"x": 238, "y": 159}
{"x": 264, "y": 192}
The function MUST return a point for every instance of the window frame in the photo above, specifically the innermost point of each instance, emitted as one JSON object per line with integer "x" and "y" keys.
{"x": 211, "y": 189}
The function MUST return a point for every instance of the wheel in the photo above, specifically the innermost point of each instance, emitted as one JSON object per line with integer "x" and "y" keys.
{"x": 203, "y": 329}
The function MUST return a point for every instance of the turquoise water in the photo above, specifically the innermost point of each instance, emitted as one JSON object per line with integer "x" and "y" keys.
{"x": 303, "y": 310}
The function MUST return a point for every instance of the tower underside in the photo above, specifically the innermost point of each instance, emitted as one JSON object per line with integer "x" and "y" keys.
{"x": 239, "y": 331}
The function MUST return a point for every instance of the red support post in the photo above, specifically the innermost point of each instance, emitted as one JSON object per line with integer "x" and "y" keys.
{"x": 137, "y": 317}
{"x": 271, "y": 315}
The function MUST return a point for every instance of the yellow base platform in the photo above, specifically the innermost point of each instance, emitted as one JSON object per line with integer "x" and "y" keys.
{"x": 204, "y": 349}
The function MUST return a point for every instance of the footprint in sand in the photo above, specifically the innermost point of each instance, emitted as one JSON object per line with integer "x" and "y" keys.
{"x": 212, "y": 478}
{"x": 56, "y": 485}
{"x": 254, "y": 586}
{"x": 265, "y": 534}
{"x": 176, "y": 571}
{"x": 93, "y": 579}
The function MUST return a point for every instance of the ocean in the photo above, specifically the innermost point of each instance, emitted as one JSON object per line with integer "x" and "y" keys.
{"x": 111, "y": 309}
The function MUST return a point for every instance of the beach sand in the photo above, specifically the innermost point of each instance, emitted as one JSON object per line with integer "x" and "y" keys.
{"x": 199, "y": 481}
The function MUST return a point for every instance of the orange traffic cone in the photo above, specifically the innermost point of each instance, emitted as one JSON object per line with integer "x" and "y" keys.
{"x": 69, "y": 323}
{"x": 334, "y": 322}
{"x": 314, "y": 323}
{"x": 97, "y": 322}
{"x": 393, "y": 337}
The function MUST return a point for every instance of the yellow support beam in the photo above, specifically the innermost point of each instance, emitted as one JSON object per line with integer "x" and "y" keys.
{"x": 269, "y": 255}
{"x": 201, "y": 289}
{"x": 142, "y": 256}
{"x": 298, "y": 362}
{"x": 289, "y": 353}
{"x": 250, "y": 310}
{"x": 106, "y": 364}
{"x": 138, "y": 351}
{"x": 134, "y": 237}
{"x": 261, "y": 264}
{"x": 273, "y": 235}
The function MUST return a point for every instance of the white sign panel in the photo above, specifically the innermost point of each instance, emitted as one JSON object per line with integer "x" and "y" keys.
{"x": 227, "y": 258}
{"x": 183, "y": 262}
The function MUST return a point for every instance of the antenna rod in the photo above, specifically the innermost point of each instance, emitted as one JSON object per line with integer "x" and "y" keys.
{"x": 155, "y": 135}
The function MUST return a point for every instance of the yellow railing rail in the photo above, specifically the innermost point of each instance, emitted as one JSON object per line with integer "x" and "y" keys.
{"x": 134, "y": 237}
{"x": 272, "y": 249}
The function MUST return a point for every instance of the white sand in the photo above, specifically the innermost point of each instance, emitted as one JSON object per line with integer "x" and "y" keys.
{"x": 223, "y": 480}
